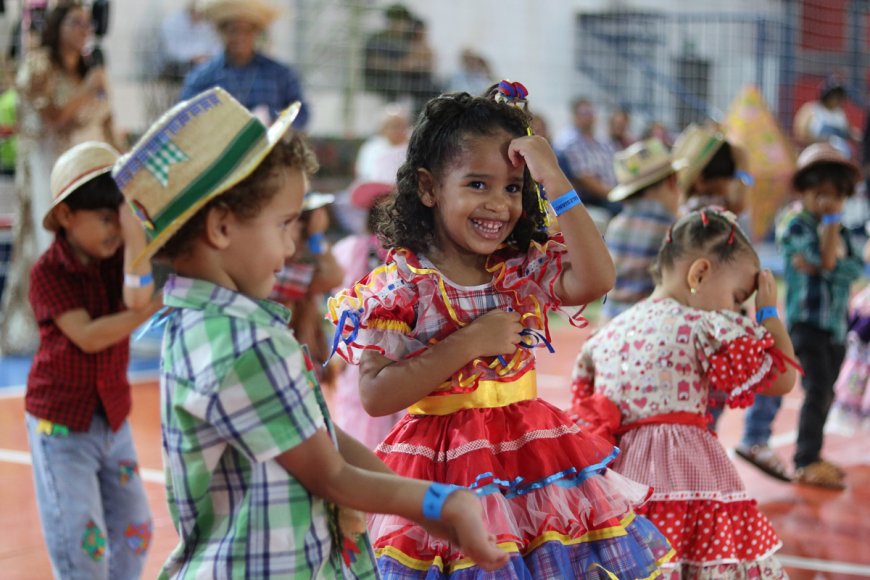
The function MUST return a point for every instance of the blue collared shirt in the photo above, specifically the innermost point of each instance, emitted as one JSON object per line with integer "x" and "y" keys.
{"x": 261, "y": 82}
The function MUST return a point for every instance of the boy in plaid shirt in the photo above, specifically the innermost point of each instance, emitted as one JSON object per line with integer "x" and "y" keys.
{"x": 92, "y": 504}
{"x": 254, "y": 469}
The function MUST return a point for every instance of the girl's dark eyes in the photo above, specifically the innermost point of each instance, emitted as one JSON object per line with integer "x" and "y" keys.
{"x": 477, "y": 185}
{"x": 515, "y": 188}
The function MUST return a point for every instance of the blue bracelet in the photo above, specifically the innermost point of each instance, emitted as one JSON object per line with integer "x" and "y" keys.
{"x": 315, "y": 243}
{"x": 565, "y": 202}
{"x": 766, "y": 312}
{"x": 745, "y": 177}
{"x": 134, "y": 281}
{"x": 433, "y": 501}
{"x": 832, "y": 218}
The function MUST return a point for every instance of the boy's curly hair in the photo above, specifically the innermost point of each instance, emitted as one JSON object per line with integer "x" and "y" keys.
{"x": 438, "y": 140}
{"x": 707, "y": 232}
{"x": 248, "y": 197}
{"x": 839, "y": 175}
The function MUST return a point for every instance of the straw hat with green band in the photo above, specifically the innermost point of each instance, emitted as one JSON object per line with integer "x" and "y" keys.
{"x": 695, "y": 147}
{"x": 640, "y": 165}
{"x": 197, "y": 150}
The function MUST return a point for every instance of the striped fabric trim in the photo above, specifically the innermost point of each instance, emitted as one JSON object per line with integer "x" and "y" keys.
{"x": 504, "y": 447}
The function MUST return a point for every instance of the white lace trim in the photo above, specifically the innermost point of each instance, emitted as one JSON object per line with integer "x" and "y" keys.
{"x": 471, "y": 446}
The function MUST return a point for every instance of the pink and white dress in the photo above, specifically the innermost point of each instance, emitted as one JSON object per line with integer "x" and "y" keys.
{"x": 646, "y": 378}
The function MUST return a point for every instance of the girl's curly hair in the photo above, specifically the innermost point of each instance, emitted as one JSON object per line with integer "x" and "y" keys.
{"x": 437, "y": 141}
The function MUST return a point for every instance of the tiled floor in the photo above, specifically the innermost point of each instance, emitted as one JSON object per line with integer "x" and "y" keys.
{"x": 825, "y": 534}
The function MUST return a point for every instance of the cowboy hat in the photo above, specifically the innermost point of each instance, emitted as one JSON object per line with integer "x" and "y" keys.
{"x": 820, "y": 154}
{"x": 257, "y": 12}
{"x": 196, "y": 151}
{"x": 639, "y": 166}
{"x": 695, "y": 147}
{"x": 74, "y": 168}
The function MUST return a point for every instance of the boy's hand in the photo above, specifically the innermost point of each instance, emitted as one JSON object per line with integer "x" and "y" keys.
{"x": 539, "y": 157}
{"x": 462, "y": 520}
{"x": 828, "y": 204}
{"x": 766, "y": 294}
{"x": 801, "y": 265}
{"x": 496, "y": 332}
{"x": 318, "y": 222}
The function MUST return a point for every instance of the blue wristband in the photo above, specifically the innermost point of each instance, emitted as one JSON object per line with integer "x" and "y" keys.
{"x": 745, "y": 177}
{"x": 433, "y": 501}
{"x": 134, "y": 281}
{"x": 315, "y": 243}
{"x": 766, "y": 312}
{"x": 832, "y": 218}
{"x": 565, "y": 202}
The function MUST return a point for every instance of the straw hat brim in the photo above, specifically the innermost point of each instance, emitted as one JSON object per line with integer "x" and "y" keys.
{"x": 247, "y": 166}
{"x": 626, "y": 190}
{"x": 49, "y": 221}
{"x": 254, "y": 11}
{"x": 314, "y": 201}
{"x": 694, "y": 166}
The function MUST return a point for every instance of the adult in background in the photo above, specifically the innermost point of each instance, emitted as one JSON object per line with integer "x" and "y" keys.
{"x": 825, "y": 119}
{"x": 187, "y": 40}
{"x": 587, "y": 161}
{"x": 264, "y": 86}
{"x": 63, "y": 101}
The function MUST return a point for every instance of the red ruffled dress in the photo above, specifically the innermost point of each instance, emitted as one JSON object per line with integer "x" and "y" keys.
{"x": 547, "y": 493}
{"x": 646, "y": 377}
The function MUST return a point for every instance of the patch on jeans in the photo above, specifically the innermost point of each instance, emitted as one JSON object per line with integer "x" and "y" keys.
{"x": 128, "y": 470}
{"x": 94, "y": 542}
{"x": 138, "y": 537}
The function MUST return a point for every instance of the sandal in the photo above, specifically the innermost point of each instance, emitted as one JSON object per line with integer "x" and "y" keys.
{"x": 820, "y": 474}
{"x": 833, "y": 467}
{"x": 763, "y": 457}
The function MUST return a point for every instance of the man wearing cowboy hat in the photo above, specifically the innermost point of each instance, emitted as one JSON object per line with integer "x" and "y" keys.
{"x": 264, "y": 86}
{"x": 647, "y": 188}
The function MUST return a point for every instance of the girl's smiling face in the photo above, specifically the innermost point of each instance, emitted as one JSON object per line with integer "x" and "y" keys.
{"x": 476, "y": 200}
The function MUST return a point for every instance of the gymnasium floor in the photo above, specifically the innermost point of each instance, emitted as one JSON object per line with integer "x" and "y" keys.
{"x": 825, "y": 534}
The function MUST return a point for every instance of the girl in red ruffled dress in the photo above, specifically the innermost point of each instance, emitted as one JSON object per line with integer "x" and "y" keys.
{"x": 445, "y": 329}
{"x": 646, "y": 377}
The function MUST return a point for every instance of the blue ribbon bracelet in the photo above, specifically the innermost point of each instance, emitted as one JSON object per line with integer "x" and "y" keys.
{"x": 766, "y": 312}
{"x": 433, "y": 501}
{"x": 565, "y": 202}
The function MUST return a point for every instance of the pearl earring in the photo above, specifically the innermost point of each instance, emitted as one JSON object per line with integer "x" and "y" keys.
{"x": 693, "y": 290}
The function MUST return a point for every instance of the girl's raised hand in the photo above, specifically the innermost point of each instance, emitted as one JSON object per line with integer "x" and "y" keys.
{"x": 496, "y": 332}
{"x": 536, "y": 153}
{"x": 766, "y": 294}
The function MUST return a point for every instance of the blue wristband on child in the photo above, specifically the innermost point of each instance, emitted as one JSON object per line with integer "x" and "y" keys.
{"x": 315, "y": 243}
{"x": 832, "y": 218}
{"x": 744, "y": 177}
{"x": 134, "y": 281}
{"x": 766, "y": 312}
{"x": 565, "y": 202}
{"x": 433, "y": 501}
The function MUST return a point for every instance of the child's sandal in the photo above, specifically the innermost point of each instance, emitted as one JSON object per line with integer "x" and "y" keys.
{"x": 820, "y": 474}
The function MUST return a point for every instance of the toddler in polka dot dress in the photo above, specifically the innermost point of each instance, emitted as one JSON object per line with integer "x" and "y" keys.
{"x": 644, "y": 380}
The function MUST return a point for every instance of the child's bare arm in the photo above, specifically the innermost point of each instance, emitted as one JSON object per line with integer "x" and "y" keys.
{"x": 322, "y": 470}
{"x": 96, "y": 334}
{"x": 590, "y": 272}
{"x": 358, "y": 454}
{"x": 387, "y": 386}
{"x": 135, "y": 297}
{"x": 830, "y": 240}
{"x": 766, "y": 296}
{"x": 329, "y": 274}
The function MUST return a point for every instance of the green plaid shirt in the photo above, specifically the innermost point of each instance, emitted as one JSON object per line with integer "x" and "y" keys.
{"x": 818, "y": 299}
{"x": 236, "y": 392}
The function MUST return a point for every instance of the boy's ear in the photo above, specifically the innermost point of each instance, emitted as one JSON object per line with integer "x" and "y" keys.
{"x": 218, "y": 225}
{"x": 426, "y": 187}
{"x": 63, "y": 214}
{"x": 698, "y": 271}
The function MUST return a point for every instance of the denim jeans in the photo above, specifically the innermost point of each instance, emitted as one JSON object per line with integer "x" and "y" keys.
{"x": 92, "y": 503}
{"x": 758, "y": 420}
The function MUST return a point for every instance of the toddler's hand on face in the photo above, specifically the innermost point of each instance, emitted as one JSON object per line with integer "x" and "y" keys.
{"x": 766, "y": 294}
{"x": 539, "y": 157}
{"x": 319, "y": 221}
{"x": 496, "y": 332}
